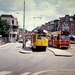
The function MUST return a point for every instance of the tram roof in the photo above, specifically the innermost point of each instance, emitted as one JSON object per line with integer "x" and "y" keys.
{"x": 57, "y": 32}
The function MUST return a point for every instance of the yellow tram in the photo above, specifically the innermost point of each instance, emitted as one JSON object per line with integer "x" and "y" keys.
{"x": 39, "y": 40}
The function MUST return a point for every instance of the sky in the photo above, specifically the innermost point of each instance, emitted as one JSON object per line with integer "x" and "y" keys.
{"x": 37, "y": 12}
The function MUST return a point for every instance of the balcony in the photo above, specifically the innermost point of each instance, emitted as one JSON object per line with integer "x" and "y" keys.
{"x": 13, "y": 32}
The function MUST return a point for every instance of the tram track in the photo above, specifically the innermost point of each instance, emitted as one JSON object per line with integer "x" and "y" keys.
{"x": 30, "y": 67}
{"x": 54, "y": 72}
{"x": 17, "y": 63}
{"x": 5, "y": 50}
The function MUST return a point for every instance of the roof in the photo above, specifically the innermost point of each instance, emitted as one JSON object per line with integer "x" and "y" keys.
{"x": 5, "y": 15}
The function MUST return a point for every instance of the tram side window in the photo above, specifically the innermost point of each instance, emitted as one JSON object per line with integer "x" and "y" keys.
{"x": 58, "y": 37}
{"x": 55, "y": 38}
{"x": 49, "y": 37}
{"x": 52, "y": 37}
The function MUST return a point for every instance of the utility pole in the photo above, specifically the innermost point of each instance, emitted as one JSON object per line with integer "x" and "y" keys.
{"x": 24, "y": 43}
{"x": 11, "y": 33}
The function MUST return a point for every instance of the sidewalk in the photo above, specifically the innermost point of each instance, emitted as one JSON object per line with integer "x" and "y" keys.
{"x": 2, "y": 45}
{"x": 59, "y": 52}
{"x": 26, "y": 50}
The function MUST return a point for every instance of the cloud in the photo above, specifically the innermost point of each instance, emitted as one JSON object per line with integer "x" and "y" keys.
{"x": 65, "y": 7}
{"x": 6, "y": 6}
{"x": 30, "y": 5}
{"x": 16, "y": 5}
{"x": 46, "y": 9}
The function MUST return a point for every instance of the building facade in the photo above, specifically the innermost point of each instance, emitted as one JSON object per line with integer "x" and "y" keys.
{"x": 68, "y": 23}
{"x": 64, "y": 23}
{"x": 13, "y": 27}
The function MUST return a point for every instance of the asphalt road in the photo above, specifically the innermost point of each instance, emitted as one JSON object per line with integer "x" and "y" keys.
{"x": 12, "y": 62}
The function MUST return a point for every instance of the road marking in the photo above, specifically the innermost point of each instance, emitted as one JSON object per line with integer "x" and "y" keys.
{"x": 5, "y": 72}
{"x": 26, "y": 73}
{"x": 37, "y": 73}
{"x": 73, "y": 70}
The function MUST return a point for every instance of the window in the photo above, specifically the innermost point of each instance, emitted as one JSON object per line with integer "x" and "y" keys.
{"x": 72, "y": 25}
{"x": 67, "y": 18}
{"x": 41, "y": 37}
{"x": 12, "y": 21}
{"x": 67, "y": 26}
{"x": 8, "y": 21}
{"x": 72, "y": 32}
{"x": 64, "y": 37}
{"x": 71, "y": 19}
{"x": 48, "y": 27}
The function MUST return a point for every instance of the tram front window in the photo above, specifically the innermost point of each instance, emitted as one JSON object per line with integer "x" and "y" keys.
{"x": 41, "y": 37}
{"x": 63, "y": 37}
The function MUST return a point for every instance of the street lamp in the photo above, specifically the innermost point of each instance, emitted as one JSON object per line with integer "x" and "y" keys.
{"x": 24, "y": 44}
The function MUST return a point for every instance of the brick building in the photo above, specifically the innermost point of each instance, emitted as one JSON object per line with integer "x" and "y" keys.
{"x": 64, "y": 23}
{"x": 69, "y": 23}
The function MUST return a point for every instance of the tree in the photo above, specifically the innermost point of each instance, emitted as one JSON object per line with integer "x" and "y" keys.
{"x": 20, "y": 29}
{"x": 4, "y": 28}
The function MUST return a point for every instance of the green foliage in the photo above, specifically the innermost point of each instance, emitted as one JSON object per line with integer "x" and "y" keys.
{"x": 20, "y": 29}
{"x": 4, "y": 28}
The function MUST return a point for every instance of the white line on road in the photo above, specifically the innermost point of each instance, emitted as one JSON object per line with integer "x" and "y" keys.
{"x": 37, "y": 73}
{"x": 5, "y": 72}
{"x": 26, "y": 73}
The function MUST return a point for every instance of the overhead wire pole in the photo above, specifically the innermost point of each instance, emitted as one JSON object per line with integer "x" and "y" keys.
{"x": 24, "y": 43}
{"x": 34, "y": 22}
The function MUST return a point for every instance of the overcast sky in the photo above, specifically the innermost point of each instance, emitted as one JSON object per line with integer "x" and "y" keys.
{"x": 48, "y": 10}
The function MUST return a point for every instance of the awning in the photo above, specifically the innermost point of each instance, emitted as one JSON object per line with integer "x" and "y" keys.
{"x": 72, "y": 36}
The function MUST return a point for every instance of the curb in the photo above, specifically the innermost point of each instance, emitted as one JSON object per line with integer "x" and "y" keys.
{"x": 59, "y": 52}
{"x": 3, "y": 45}
{"x": 24, "y": 52}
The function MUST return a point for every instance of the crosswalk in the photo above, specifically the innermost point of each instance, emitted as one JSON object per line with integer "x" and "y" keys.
{"x": 9, "y": 73}
{"x": 5, "y": 72}
{"x": 26, "y": 73}
{"x": 52, "y": 72}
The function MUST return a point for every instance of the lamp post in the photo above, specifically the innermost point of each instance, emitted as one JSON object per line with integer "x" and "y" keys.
{"x": 24, "y": 44}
